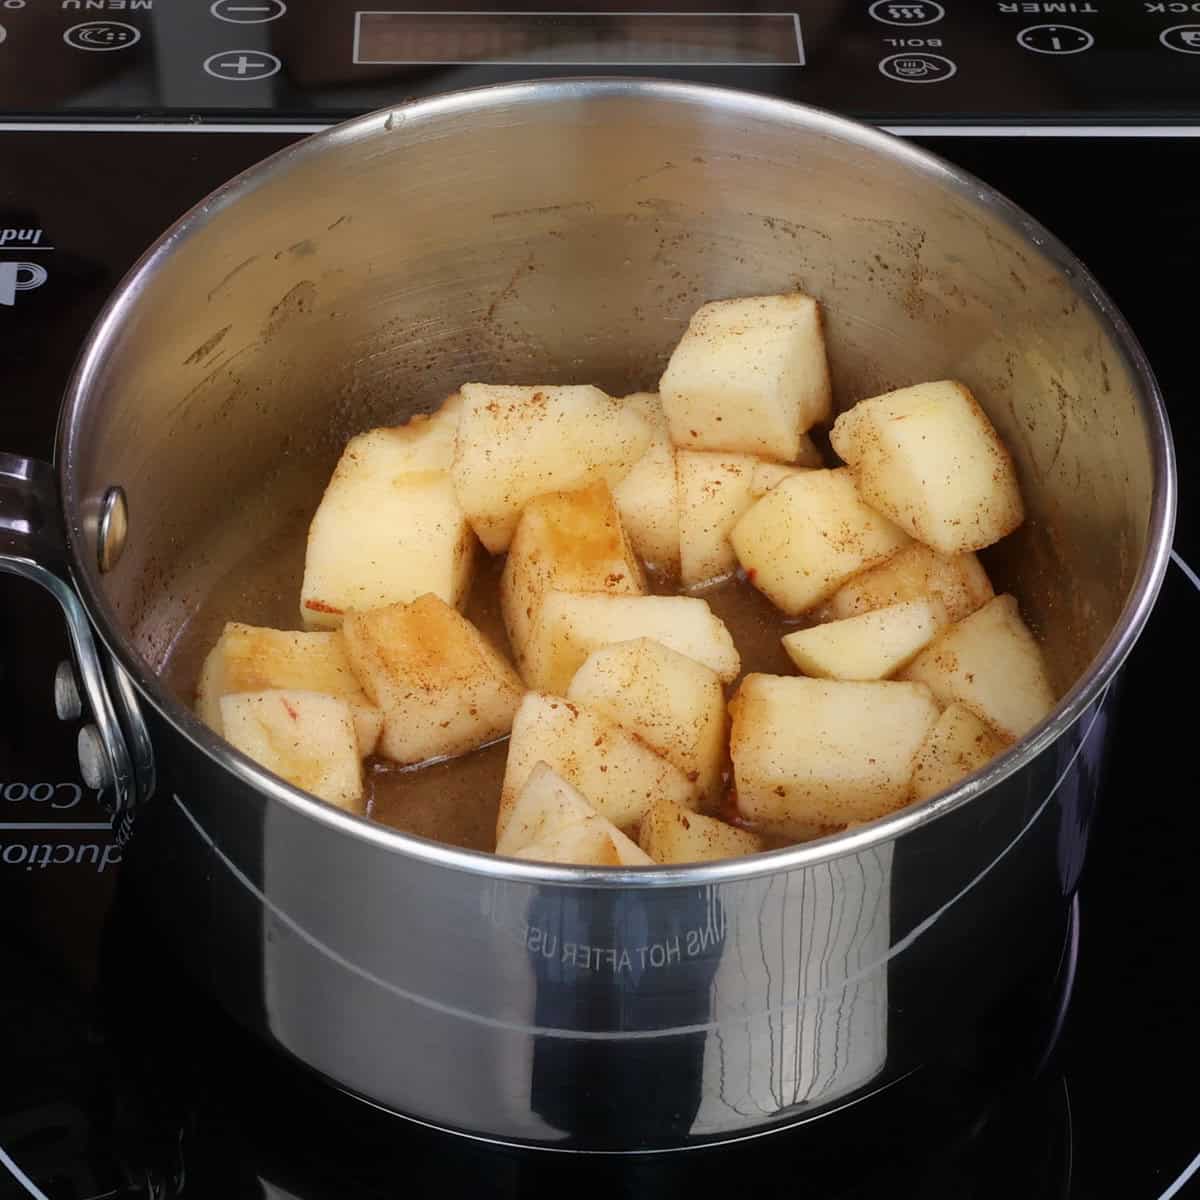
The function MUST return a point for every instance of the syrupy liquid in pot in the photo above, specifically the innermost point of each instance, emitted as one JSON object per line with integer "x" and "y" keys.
{"x": 453, "y": 801}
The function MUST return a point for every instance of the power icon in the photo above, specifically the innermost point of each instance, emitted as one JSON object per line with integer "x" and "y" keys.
{"x": 19, "y": 277}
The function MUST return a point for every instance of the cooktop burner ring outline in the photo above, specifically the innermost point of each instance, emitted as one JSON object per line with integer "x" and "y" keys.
{"x": 15, "y": 1171}
{"x": 1183, "y": 1179}
{"x": 1189, "y": 573}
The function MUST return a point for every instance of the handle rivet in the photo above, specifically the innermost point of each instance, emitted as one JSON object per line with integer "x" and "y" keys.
{"x": 67, "y": 702}
{"x": 93, "y": 762}
{"x": 114, "y": 525}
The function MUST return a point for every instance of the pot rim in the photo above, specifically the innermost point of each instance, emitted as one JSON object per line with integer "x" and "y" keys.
{"x": 406, "y": 119}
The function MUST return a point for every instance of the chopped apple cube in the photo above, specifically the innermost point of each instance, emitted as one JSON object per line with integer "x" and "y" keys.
{"x": 544, "y": 804}
{"x": 386, "y": 530}
{"x": 368, "y": 727}
{"x": 714, "y": 491}
{"x": 958, "y": 581}
{"x": 552, "y": 822}
{"x": 671, "y": 833}
{"x": 591, "y": 843}
{"x": 808, "y": 535}
{"x": 810, "y": 754}
{"x": 749, "y": 377}
{"x": 426, "y": 442}
{"x": 928, "y": 458}
{"x": 673, "y": 703}
{"x": 567, "y": 540}
{"x": 957, "y": 746}
{"x": 647, "y": 497}
{"x": 992, "y": 664}
{"x": 249, "y": 658}
{"x": 573, "y": 624}
{"x": 873, "y": 645}
{"x": 617, "y": 774}
{"x": 768, "y": 474}
{"x": 304, "y": 737}
{"x": 443, "y": 688}
{"x": 515, "y": 443}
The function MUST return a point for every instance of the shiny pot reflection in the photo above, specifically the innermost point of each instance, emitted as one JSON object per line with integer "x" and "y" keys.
{"x": 561, "y": 232}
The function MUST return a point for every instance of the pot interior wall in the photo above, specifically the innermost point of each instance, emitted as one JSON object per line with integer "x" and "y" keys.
{"x": 366, "y": 274}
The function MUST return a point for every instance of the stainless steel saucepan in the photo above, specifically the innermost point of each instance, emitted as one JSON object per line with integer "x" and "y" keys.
{"x": 563, "y": 232}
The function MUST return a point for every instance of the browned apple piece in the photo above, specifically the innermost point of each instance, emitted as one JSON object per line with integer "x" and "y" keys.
{"x": 443, "y": 687}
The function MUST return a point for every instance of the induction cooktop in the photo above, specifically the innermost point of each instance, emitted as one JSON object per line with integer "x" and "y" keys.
{"x": 118, "y": 1078}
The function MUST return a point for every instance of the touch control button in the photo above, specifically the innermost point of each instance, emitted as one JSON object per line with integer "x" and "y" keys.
{"x": 921, "y": 12}
{"x": 247, "y": 12}
{"x": 1055, "y": 39}
{"x": 918, "y": 67}
{"x": 1183, "y": 38}
{"x": 242, "y": 65}
{"x": 102, "y": 35}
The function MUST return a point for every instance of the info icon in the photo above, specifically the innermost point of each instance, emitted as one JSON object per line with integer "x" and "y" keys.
{"x": 1055, "y": 39}
{"x": 919, "y": 12}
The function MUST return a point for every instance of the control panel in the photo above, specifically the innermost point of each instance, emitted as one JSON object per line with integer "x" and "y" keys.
{"x": 933, "y": 61}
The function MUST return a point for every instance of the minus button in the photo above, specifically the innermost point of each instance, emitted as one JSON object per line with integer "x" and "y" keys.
{"x": 248, "y": 14}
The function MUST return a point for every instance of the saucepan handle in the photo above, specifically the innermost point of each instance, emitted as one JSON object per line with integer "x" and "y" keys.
{"x": 114, "y": 747}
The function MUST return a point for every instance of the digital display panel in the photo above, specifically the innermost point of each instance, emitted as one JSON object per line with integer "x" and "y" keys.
{"x": 586, "y": 39}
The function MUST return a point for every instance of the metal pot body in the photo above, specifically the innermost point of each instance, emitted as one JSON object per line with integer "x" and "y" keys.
{"x": 601, "y": 1018}
{"x": 558, "y": 232}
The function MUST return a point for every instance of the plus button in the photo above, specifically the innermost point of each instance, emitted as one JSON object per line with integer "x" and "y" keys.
{"x": 242, "y": 64}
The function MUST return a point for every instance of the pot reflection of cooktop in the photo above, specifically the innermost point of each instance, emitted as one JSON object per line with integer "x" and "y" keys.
{"x": 193, "y": 1108}
{"x": 116, "y": 1080}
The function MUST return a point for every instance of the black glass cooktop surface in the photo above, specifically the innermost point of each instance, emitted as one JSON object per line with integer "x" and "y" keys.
{"x": 120, "y": 1080}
